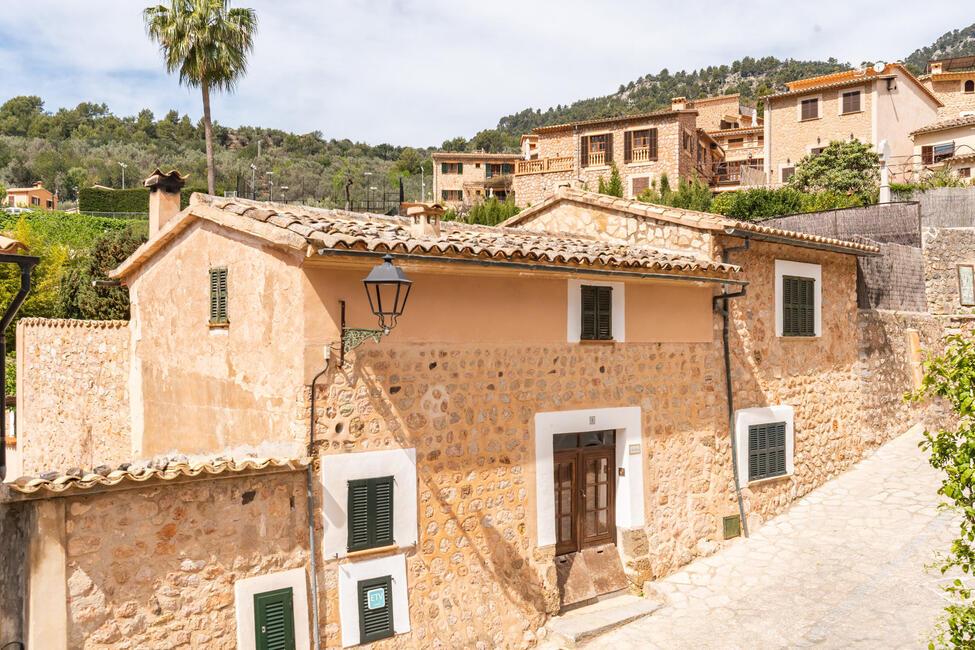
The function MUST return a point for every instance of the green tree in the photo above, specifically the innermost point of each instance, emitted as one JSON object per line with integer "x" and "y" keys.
{"x": 690, "y": 195}
{"x": 614, "y": 186}
{"x": 408, "y": 161}
{"x": 843, "y": 166}
{"x": 457, "y": 144}
{"x": 490, "y": 140}
{"x": 207, "y": 42}
{"x": 3, "y": 193}
{"x": 77, "y": 297}
{"x": 951, "y": 377}
{"x": 345, "y": 177}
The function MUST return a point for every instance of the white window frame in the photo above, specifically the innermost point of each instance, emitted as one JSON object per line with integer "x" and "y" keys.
{"x": 803, "y": 270}
{"x": 819, "y": 107}
{"x": 339, "y": 469}
{"x": 839, "y": 100}
{"x": 349, "y": 576}
{"x": 628, "y": 423}
{"x": 574, "y": 311}
{"x": 745, "y": 418}
{"x": 246, "y": 589}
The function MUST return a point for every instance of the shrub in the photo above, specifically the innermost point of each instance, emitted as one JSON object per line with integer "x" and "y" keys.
{"x": 79, "y": 299}
{"x": 693, "y": 195}
{"x": 614, "y": 186}
{"x": 842, "y": 167}
{"x": 486, "y": 213}
{"x": 762, "y": 203}
{"x": 94, "y": 199}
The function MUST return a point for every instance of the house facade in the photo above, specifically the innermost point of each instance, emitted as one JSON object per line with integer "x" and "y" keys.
{"x": 880, "y": 106}
{"x": 949, "y": 142}
{"x": 952, "y": 81}
{"x": 445, "y": 459}
{"x": 461, "y": 179}
{"x": 35, "y": 197}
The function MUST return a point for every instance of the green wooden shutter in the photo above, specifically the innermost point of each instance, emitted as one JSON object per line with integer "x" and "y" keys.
{"x": 370, "y": 513}
{"x": 588, "y": 332}
{"x": 460, "y": 168}
{"x": 798, "y": 306}
{"x": 274, "y": 623}
{"x": 443, "y": 195}
{"x": 604, "y": 313}
{"x": 766, "y": 450}
{"x": 375, "y": 623}
{"x": 218, "y": 295}
{"x": 443, "y": 168}
{"x": 358, "y": 514}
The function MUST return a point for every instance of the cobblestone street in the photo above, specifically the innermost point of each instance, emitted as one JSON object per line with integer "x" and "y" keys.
{"x": 845, "y": 567}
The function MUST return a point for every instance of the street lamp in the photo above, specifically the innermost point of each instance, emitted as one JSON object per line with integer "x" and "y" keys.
{"x": 387, "y": 289}
{"x": 253, "y": 182}
{"x": 284, "y": 190}
{"x": 368, "y": 193}
{"x": 123, "y": 166}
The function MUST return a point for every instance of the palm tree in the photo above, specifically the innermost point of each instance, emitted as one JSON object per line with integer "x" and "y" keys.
{"x": 208, "y": 43}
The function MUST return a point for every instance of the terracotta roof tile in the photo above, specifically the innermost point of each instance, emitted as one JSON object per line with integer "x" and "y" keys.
{"x": 339, "y": 229}
{"x": 164, "y": 469}
{"x": 941, "y": 125}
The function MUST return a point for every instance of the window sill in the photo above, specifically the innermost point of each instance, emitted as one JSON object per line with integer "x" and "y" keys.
{"x": 770, "y": 479}
{"x": 852, "y": 113}
{"x": 642, "y": 162}
{"x": 598, "y": 341}
{"x": 379, "y": 550}
{"x": 799, "y": 338}
{"x": 810, "y": 119}
{"x": 218, "y": 326}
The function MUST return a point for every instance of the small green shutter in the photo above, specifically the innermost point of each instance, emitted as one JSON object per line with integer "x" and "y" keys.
{"x": 597, "y": 313}
{"x": 798, "y": 306}
{"x": 218, "y": 295}
{"x": 443, "y": 194}
{"x": 766, "y": 450}
{"x": 274, "y": 622}
{"x": 460, "y": 195}
{"x": 443, "y": 168}
{"x": 460, "y": 168}
{"x": 370, "y": 513}
{"x": 375, "y": 609}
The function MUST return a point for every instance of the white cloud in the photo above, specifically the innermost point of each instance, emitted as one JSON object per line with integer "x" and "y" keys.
{"x": 419, "y": 72}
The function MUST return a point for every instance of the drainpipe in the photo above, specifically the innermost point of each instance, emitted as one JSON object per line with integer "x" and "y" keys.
{"x": 26, "y": 264}
{"x": 724, "y": 297}
{"x": 311, "y": 507}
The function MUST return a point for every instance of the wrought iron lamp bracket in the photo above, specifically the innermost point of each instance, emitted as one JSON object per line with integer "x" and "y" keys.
{"x": 353, "y": 337}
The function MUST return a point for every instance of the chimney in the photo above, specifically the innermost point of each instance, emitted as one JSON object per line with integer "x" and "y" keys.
{"x": 164, "y": 194}
{"x": 424, "y": 219}
{"x": 936, "y": 68}
{"x": 678, "y": 103}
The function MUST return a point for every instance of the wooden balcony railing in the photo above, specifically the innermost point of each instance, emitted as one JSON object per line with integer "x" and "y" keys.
{"x": 642, "y": 155}
{"x": 597, "y": 158}
{"x": 542, "y": 165}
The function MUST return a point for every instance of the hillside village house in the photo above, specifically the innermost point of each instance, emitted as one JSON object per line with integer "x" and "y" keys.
{"x": 461, "y": 179}
{"x": 566, "y": 430}
{"x": 948, "y": 142}
{"x": 952, "y": 81}
{"x": 880, "y": 105}
{"x": 32, "y": 197}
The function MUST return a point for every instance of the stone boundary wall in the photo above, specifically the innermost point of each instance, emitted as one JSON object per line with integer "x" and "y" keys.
{"x": 72, "y": 394}
{"x": 887, "y": 372}
{"x": 944, "y": 250}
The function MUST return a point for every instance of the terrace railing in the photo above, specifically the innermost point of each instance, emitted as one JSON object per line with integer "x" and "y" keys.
{"x": 543, "y": 165}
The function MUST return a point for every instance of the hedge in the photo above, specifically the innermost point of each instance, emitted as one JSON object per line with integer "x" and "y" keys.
{"x": 93, "y": 199}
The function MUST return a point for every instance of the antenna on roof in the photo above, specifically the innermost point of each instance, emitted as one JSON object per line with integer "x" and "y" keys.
{"x": 879, "y": 67}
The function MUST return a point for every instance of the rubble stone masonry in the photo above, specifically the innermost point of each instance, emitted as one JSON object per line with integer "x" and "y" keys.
{"x": 73, "y": 393}
{"x": 944, "y": 249}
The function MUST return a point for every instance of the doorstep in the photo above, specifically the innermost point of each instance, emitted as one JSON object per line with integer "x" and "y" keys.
{"x": 587, "y": 622}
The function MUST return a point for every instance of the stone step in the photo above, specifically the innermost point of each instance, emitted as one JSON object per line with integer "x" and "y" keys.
{"x": 590, "y": 621}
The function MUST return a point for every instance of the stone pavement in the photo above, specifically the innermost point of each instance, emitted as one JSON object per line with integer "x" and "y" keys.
{"x": 844, "y": 567}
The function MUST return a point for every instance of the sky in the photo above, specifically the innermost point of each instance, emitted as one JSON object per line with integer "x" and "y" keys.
{"x": 420, "y": 72}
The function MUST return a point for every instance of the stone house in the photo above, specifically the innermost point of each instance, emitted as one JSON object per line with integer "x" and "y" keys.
{"x": 469, "y": 475}
{"x": 743, "y": 165}
{"x": 644, "y": 148}
{"x": 880, "y": 105}
{"x": 460, "y": 179}
{"x": 32, "y": 197}
{"x": 952, "y": 81}
{"x": 949, "y": 142}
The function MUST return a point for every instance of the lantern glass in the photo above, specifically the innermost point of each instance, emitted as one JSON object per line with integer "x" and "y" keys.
{"x": 387, "y": 288}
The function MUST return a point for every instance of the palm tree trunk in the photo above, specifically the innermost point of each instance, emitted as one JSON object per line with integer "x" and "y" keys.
{"x": 208, "y": 130}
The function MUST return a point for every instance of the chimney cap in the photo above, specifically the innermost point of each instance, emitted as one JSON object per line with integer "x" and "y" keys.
{"x": 425, "y": 209}
{"x": 168, "y": 182}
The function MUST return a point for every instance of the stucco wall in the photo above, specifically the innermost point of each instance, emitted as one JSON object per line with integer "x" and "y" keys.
{"x": 201, "y": 388}
{"x": 900, "y": 111}
{"x": 944, "y": 249}
{"x": 73, "y": 403}
{"x": 156, "y": 566}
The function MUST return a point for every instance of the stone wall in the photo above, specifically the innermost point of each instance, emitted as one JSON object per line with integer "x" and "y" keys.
{"x": 156, "y": 566}
{"x": 950, "y": 92}
{"x": 944, "y": 249}
{"x": 72, "y": 394}
{"x": 534, "y": 188}
{"x": 887, "y": 372}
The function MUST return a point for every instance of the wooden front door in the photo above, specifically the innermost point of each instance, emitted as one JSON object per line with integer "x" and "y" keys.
{"x": 585, "y": 491}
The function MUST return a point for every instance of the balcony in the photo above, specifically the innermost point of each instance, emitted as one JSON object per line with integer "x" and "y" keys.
{"x": 597, "y": 158}
{"x": 732, "y": 172}
{"x": 543, "y": 165}
{"x": 643, "y": 154}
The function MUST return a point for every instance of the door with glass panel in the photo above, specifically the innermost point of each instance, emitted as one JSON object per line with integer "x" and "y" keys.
{"x": 585, "y": 490}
